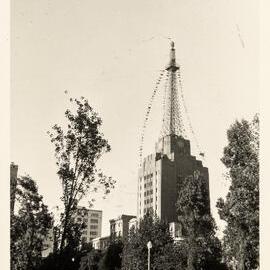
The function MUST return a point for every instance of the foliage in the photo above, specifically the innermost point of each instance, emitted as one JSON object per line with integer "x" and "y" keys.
{"x": 29, "y": 226}
{"x": 135, "y": 249}
{"x": 77, "y": 150}
{"x": 68, "y": 259}
{"x": 91, "y": 260}
{"x": 241, "y": 208}
{"x": 111, "y": 259}
{"x": 203, "y": 249}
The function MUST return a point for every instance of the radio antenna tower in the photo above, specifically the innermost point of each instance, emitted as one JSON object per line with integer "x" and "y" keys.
{"x": 172, "y": 118}
{"x": 173, "y": 113}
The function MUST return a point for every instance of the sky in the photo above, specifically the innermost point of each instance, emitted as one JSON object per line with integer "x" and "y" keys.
{"x": 111, "y": 52}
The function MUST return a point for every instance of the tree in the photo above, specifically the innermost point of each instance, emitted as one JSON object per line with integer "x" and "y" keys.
{"x": 135, "y": 249}
{"x": 78, "y": 147}
{"x": 91, "y": 260}
{"x": 240, "y": 210}
{"x": 203, "y": 248}
{"x": 70, "y": 257}
{"x": 112, "y": 259}
{"x": 29, "y": 226}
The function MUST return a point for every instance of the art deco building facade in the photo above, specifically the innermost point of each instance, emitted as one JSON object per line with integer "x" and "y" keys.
{"x": 162, "y": 173}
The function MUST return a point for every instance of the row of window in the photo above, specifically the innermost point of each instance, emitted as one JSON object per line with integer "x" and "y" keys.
{"x": 79, "y": 219}
{"x": 148, "y": 201}
{"x": 150, "y": 184}
{"x": 92, "y": 220}
{"x": 148, "y": 192}
{"x": 146, "y": 209}
{"x": 148, "y": 176}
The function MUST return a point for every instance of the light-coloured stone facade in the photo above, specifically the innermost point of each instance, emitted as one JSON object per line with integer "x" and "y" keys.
{"x": 176, "y": 231}
{"x": 101, "y": 243}
{"x": 133, "y": 224}
{"x": 93, "y": 220}
{"x": 119, "y": 227}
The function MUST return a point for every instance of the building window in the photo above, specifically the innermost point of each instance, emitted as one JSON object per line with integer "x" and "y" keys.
{"x": 93, "y": 227}
{"x": 94, "y": 220}
{"x": 93, "y": 233}
{"x": 94, "y": 215}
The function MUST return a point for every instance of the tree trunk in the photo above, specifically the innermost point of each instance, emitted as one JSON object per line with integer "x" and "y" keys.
{"x": 191, "y": 257}
{"x": 63, "y": 238}
{"x": 242, "y": 261}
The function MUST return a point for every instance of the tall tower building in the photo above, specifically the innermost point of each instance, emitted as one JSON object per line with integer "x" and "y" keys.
{"x": 162, "y": 172}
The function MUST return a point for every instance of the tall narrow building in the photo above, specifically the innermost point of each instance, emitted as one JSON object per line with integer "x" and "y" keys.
{"x": 162, "y": 172}
{"x": 13, "y": 185}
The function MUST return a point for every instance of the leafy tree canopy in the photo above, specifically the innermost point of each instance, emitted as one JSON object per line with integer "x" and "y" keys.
{"x": 78, "y": 147}
{"x": 163, "y": 254}
{"x": 240, "y": 209}
{"x": 203, "y": 249}
{"x": 29, "y": 225}
{"x": 112, "y": 259}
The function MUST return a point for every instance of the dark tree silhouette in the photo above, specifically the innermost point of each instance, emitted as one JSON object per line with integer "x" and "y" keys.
{"x": 29, "y": 225}
{"x": 241, "y": 208}
{"x": 78, "y": 147}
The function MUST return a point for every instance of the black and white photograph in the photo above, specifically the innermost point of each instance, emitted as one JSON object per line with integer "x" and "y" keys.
{"x": 134, "y": 135}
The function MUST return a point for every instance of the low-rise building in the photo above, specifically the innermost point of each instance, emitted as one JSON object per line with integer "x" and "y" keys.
{"x": 101, "y": 243}
{"x": 119, "y": 227}
{"x": 133, "y": 224}
{"x": 175, "y": 229}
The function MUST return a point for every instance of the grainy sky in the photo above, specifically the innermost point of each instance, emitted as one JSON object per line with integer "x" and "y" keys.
{"x": 111, "y": 52}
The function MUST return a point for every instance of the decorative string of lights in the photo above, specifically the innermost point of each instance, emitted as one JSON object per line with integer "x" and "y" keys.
{"x": 164, "y": 96}
{"x": 150, "y": 103}
{"x": 180, "y": 80}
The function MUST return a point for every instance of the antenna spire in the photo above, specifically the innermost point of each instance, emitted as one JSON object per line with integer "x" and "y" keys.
{"x": 172, "y": 119}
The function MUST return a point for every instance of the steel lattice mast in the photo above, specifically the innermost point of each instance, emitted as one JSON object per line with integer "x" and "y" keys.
{"x": 172, "y": 118}
{"x": 176, "y": 120}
